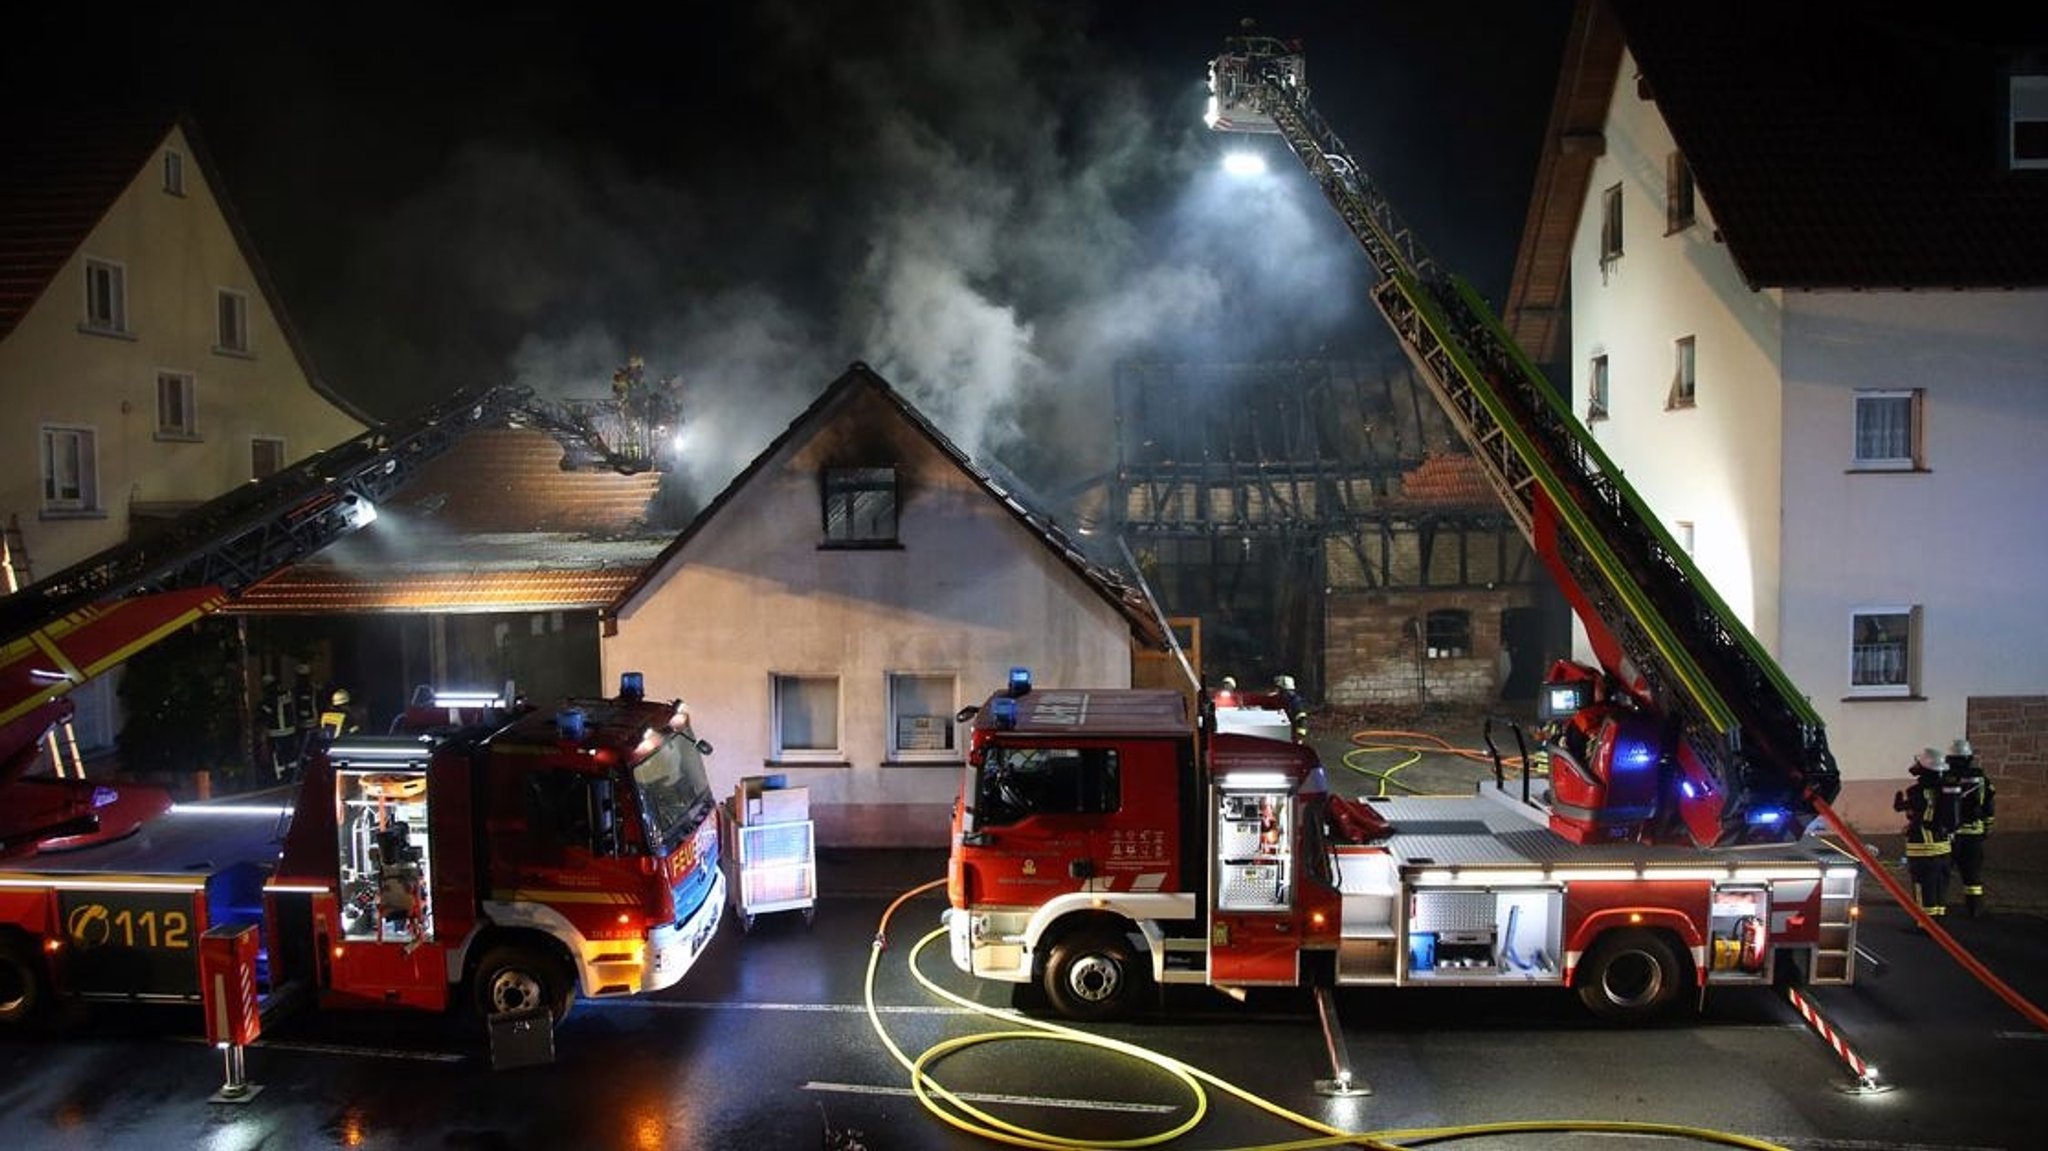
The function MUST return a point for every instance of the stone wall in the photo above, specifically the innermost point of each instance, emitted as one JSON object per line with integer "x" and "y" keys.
{"x": 1374, "y": 656}
{"x": 2010, "y": 736}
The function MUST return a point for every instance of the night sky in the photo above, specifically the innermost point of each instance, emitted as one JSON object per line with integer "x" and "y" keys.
{"x": 992, "y": 203}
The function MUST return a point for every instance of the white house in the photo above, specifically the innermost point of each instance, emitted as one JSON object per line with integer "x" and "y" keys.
{"x": 1807, "y": 283}
{"x": 852, "y": 588}
{"x": 146, "y": 363}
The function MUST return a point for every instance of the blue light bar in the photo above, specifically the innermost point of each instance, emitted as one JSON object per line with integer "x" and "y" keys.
{"x": 1020, "y": 680}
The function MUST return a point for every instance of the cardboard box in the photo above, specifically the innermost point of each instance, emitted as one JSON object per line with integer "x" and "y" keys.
{"x": 750, "y": 802}
{"x": 785, "y": 805}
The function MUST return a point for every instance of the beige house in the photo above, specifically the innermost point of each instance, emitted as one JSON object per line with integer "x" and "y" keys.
{"x": 1806, "y": 269}
{"x": 849, "y": 591}
{"x": 146, "y": 364}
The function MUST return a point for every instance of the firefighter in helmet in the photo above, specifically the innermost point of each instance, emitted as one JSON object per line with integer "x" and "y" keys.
{"x": 1930, "y": 808}
{"x": 337, "y": 720}
{"x": 1976, "y": 806}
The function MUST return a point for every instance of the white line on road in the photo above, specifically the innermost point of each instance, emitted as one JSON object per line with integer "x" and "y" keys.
{"x": 982, "y": 1097}
{"x": 827, "y": 1008}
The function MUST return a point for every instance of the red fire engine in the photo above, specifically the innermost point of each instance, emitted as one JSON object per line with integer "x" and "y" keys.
{"x": 1105, "y": 842}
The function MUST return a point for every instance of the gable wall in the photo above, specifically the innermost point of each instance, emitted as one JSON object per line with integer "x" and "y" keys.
{"x": 970, "y": 593}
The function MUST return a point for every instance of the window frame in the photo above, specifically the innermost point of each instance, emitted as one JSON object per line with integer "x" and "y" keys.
{"x": 256, "y": 444}
{"x": 184, "y": 423}
{"x": 1908, "y": 660}
{"x": 174, "y": 172}
{"x": 115, "y": 275}
{"x": 1915, "y": 459}
{"x": 1685, "y": 379}
{"x": 1681, "y": 195}
{"x": 1610, "y": 226}
{"x": 894, "y": 699}
{"x": 2027, "y": 122}
{"x": 1436, "y": 625}
{"x": 231, "y": 322}
{"x": 779, "y": 748}
{"x": 86, "y": 500}
{"x": 1598, "y": 387}
{"x": 842, "y": 489}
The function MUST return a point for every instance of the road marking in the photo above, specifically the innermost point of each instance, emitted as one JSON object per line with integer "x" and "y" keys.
{"x": 983, "y": 1097}
{"x": 827, "y": 1008}
{"x": 1871, "y": 1145}
{"x": 2019, "y": 1035}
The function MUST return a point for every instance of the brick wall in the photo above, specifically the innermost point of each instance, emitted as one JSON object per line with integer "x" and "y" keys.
{"x": 1372, "y": 655}
{"x": 2010, "y": 735}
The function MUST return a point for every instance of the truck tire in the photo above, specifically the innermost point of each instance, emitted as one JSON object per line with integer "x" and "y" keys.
{"x": 23, "y": 989}
{"x": 1633, "y": 975}
{"x": 517, "y": 977}
{"x": 1093, "y": 974}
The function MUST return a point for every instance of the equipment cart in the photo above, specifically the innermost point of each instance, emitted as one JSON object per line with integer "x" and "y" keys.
{"x": 767, "y": 847}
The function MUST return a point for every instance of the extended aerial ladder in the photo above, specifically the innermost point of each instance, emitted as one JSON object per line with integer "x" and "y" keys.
{"x": 63, "y": 630}
{"x": 1750, "y": 756}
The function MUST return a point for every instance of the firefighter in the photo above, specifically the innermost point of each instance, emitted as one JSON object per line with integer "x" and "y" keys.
{"x": 1226, "y": 695}
{"x": 1297, "y": 707}
{"x": 1976, "y": 805}
{"x": 336, "y": 720}
{"x": 280, "y": 725}
{"x": 305, "y": 698}
{"x": 1930, "y": 808}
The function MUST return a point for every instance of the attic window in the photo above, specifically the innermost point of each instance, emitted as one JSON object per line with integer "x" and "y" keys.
{"x": 2030, "y": 121}
{"x": 860, "y": 507}
{"x": 174, "y": 172}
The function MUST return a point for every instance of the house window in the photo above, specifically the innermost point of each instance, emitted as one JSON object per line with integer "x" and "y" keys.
{"x": 1884, "y": 651}
{"x": 266, "y": 457}
{"x": 860, "y": 506}
{"x": 806, "y": 717}
{"x": 1678, "y": 194}
{"x": 1610, "y": 226}
{"x": 1596, "y": 390}
{"x": 1447, "y": 633}
{"x": 70, "y": 470}
{"x": 233, "y": 334}
{"x": 1888, "y": 431}
{"x": 1683, "y": 380}
{"x": 921, "y": 711}
{"x": 177, "y": 406}
{"x": 106, "y": 296}
{"x": 2030, "y": 121}
{"x": 174, "y": 172}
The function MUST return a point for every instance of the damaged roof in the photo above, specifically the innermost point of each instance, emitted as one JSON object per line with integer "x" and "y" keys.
{"x": 496, "y": 523}
{"x": 1112, "y": 585}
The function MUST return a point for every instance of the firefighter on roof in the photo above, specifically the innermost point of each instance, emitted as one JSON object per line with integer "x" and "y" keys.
{"x": 1930, "y": 807}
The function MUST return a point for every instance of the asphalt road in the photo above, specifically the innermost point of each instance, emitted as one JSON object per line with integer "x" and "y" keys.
{"x": 770, "y": 1042}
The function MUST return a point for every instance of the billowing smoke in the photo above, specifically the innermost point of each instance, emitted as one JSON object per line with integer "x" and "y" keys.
{"x": 991, "y": 214}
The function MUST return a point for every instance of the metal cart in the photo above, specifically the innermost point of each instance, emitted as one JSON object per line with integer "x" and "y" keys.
{"x": 768, "y": 866}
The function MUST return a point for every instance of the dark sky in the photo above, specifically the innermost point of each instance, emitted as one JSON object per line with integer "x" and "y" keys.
{"x": 990, "y": 201}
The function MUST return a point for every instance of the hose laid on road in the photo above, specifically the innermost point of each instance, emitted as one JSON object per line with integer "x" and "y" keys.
{"x": 968, "y": 1118}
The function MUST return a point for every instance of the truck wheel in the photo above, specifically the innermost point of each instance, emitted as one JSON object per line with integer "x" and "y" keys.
{"x": 518, "y": 978}
{"x": 1633, "y": 975}
{"x": 22, "y": 990}
{"x": 1094, "y": 974}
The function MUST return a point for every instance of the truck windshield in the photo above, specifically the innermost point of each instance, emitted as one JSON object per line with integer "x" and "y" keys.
{"x": 674, "y": 791}
{"x": 1018, "y": 781}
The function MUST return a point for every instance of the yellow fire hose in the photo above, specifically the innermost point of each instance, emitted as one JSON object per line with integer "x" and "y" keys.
{"x": 957, "y": 1112}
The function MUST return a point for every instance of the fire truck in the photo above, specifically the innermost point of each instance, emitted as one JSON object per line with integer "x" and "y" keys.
{"x": 1107, "y": 842}
{"x": 1104, "y": 841}
{"x": 517, "y": 856}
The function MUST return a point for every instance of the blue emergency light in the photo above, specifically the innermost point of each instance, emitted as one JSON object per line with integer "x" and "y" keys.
{"x": 1004, "y": 712}
{"x": 570, "y": 721}
{"x": 632, "y": 685}
{"x": 1766, "y": 817}
{"x": 1020, "y": 680}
